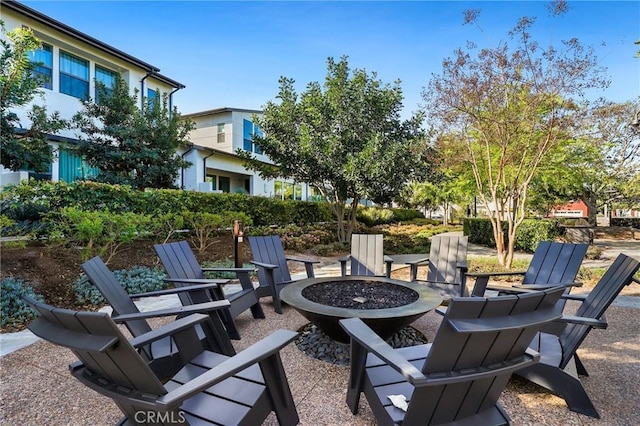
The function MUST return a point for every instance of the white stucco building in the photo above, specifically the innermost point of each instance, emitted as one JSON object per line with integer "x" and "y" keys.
{"x": 72, "y": 61}
{"x": 219, "y": 133}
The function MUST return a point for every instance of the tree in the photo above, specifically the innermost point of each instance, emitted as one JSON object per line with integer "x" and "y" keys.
{"x": 129, "y": 145}
{"x": 600, "y": 166}
{"x": 505, "y": 109}
{"x": 345, "y": 137}
{"x": 27, "y": 149}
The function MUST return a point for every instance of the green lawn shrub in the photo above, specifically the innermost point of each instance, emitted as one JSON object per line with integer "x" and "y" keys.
{"x": 139, "y": 279}
{"x": 528, "y": 236}
{"x": 14, "y": 311}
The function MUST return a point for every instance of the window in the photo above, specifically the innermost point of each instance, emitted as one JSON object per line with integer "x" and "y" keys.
{"x": 248, "y": 130}
{"x": 107, "y": 78}
{"x": 74, "y": 76}
{"x": 71, "y": 167}
{"x": 287, "y": 191}
{"x": 152, "y": 96}
{"x": 220, "y": 132}
{"x": 224, "y": 183}
{"x": 43, "y": 65}
{"x": 214, "y": 181}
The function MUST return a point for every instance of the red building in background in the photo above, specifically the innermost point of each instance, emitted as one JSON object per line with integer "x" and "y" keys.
{"x": 576, "y": 209}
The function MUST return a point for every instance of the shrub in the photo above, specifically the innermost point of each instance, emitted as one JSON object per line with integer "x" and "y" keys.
{"x": 138, "y": 279}
{"x": 227, "y": 263}
{"x": 96, "y": 232}
{"x": 528, "y": 236}
{"x": 14, "y": 311}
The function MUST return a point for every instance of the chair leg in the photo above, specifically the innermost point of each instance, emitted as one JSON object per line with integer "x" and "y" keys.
{"x": 562, "y": 383}
{"x": 356, "y": 376}
{"x": 276, "y": 381}
{"x": 580, "y": 368}
{"x": 256, "y": 310}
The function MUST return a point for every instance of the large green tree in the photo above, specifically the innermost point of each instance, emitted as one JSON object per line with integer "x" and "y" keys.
{"x": 505, "y": 108}
{"x": 131, "y": 145}
{"x": 345, "y": 137}
{"x": 27, "y": 148}
{"x": 601, "y": 165}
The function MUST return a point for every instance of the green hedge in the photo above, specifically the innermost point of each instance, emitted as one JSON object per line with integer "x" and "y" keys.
{"x": 631, "y": 222}
{"x": 528, "y": 236}
{"x": 43, "y": 197}
{"x": 372, "y": 216}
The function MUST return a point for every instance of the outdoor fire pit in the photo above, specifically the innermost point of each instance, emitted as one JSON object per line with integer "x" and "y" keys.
{"x": 384, "y": 304}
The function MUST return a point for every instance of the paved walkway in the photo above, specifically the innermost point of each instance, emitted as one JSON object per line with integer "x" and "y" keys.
{"x": 10, "y": 342}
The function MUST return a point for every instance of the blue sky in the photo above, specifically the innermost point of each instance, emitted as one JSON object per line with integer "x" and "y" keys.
{"x": 231, "y": 54}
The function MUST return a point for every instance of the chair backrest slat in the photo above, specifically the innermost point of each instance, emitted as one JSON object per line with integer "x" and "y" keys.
{"x": 180, "y": 262}
{"x": 268, "y": 249}
{"x": 445, "y": 254}
{"x": 618, "y": 275}
{"x": 107, "y": 283}
{"x": 367, "y": 254}
{"x": 555, "y": 263}
{"x": 118, "y": 363}
{"x": 500, "y": 331}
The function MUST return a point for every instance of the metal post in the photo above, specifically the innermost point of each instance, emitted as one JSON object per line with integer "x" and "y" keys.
{"x": 238, "y": 233}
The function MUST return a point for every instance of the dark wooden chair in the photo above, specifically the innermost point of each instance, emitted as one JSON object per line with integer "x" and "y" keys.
{"x": 210, "y": 388}
{"x": 459, "y": 377}
{"x": 559, "y": 365}
{"x": 447, "y": 266}
{"x": 273, "y": 269}
{"x": 367, "y": 256}
{"x": 553, "y": 263}
{"x": 183, "y": 269}
{"x": 162, "y": 353}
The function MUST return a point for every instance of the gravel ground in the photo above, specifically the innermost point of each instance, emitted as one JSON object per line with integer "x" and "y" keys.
{"x": 37, "y": 388}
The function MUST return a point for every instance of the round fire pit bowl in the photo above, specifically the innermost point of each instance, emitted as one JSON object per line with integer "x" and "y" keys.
{"x": 386, "y": 321}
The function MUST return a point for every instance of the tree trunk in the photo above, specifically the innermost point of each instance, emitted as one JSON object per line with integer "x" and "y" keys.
{"x": 590, "y": 199}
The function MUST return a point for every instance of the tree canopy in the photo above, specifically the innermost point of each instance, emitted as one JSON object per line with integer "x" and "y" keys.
{"x": 345, "y": 137}
{"x": 130, "y": 145}
{"x": 503, "y": 109}
{"x": 27, "y": 149}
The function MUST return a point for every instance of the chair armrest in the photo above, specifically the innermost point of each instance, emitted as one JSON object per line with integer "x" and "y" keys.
{"x": 419, "y": 261}
{"x": 592, "y": 322}
{"x": 174, "y": 290}
{"x": 361, "y": 334}
{"x": 578, "y": 297}
{"x": 259, "y": 351}
{"x": 180, "y": 310}
{"x": 545, "y": 286}
{"x": 463, "y": 266}
{"x": 236, "y": 270}
{"x": 168, "y": 329}
{"x": 264, "y": 265}
{"x": 308, "y": 265}
{"x": 296, "y": 259}
{"x": 494, "y": 274}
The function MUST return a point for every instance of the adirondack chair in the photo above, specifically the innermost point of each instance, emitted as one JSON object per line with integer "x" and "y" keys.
{"x": 559, "y": 365}
{"x": 367, "y": 256}
{"x": 210, "y": 388}
{"x": 447, "y": 266}
{"x": 162, "y": 353}
{"x": 273, "y": 270}
{"x": 553, "y": 263}
{"x": 183, "y": 269}
{"x": 458, "y": 378}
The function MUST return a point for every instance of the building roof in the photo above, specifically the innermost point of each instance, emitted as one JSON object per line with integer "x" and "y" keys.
{"x": 80, "y": 36}
{"x": 220, "y": 110}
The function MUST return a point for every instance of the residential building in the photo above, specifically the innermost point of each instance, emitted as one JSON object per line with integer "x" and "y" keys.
{"x": 219, "y": 133}
{"x": 72, "y": 62}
